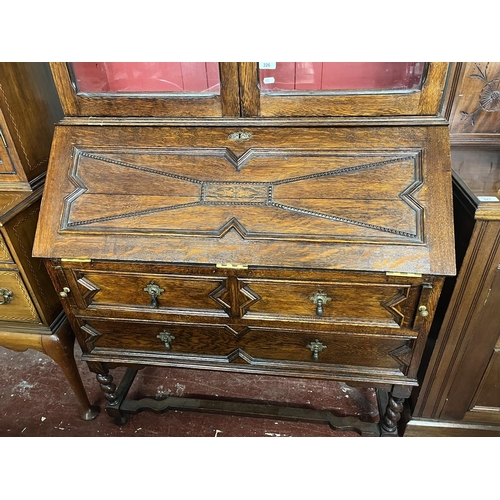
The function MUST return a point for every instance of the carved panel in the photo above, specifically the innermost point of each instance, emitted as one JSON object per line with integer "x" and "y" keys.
{"x": 477, "y": 103}
{"x": 328, "y": 195}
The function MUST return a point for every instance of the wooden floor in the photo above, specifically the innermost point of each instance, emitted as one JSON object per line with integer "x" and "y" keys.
{"x": 36, "y": 400}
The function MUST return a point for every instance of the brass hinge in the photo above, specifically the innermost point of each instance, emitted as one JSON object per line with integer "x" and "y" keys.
{"x": 76, "y": 260}
{"x": 231, "y": 266}
{"x": 404, "y": 275}
{"x": 3, "y": 138}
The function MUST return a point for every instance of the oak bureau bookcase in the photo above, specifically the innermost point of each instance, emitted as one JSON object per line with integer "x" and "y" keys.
{"x": 266, "y": 218}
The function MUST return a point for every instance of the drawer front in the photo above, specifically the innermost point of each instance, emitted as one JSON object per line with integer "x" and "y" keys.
{"x": 299, "y": 350}
{"x": 176, "y": 294}
{"x": 15, "y": 302}
{"x": 385, "y": 305}
{"x": 250, "y": 296}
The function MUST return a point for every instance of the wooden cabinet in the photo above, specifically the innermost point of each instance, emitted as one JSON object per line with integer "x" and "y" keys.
{"x": 31, "y": 316}
{"x": 460, "y": 394}
{"x": 310, "y": 241}
{"x": 29, "y": 108}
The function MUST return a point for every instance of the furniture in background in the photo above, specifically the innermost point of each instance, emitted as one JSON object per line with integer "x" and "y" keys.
{"x": 291, "y": 219}
{"x": 460, "y": 393}
{"x": 31, "y": 315}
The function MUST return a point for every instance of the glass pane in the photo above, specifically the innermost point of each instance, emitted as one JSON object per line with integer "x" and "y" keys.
{"x": 340, "y": 76}
{"x": 144, "y": 77}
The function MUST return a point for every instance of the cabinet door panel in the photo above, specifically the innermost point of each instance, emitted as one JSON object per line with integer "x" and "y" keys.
{"x": 175, "y": 89}
{"x": 342, "y": 89}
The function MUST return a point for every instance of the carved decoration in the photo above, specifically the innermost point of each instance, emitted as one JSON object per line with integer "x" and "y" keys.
{"x": 107, "y": 386}
{"x": 489, "y": 97}
{"x": 246, "y": 298}
{"x": 403, "y": 356}
{"x": 222, "y": 297}
{"x": 391, "y": 303}
{"x": 392, "y": 414}
{"x": 250, "y": 194}
{"x": 237, "y": 334}
{"x": 88, "y": 290}
{"x": 92, "y": 336}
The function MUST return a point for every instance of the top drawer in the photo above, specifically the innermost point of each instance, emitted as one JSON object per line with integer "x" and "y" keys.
{"x": 155, "y": 292}
{"x": 249, "y": 296}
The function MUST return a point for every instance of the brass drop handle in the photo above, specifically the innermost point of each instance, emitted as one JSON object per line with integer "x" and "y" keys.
{"x": 316, "y": 347}
{"x": 167, "y": 338}
{"x": 319, "y": 298}
{"x": 423, "y": 311}
{"x": 64, "y": 292}
{"x": 6, "y": 296}
{"x": 154, "y": 290}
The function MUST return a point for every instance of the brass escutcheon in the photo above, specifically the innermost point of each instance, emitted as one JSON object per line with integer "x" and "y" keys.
{"x": 6, "y": 296}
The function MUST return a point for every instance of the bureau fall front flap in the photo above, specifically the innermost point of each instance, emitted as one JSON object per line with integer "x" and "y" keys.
{"x": 336, "y": 198}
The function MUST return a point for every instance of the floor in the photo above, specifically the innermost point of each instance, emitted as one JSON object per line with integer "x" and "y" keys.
{"x": 36, "y": 401}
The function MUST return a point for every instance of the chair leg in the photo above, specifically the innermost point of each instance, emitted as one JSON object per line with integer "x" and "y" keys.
{"x": 59, "y": 346}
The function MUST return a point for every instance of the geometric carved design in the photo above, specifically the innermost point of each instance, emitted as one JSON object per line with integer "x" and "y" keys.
{"x": 221, "y": 296}
{"x": 237, "y": 334}
{"x": 273, "y": 196}
{"x": 87, "y": 289}
{"x": 250, "y": 296}
{"x": 92, "y": 336}
{"x": 403, "y": 356}
{"x": 391, "y": 303}
{"x": 245, "y": 298}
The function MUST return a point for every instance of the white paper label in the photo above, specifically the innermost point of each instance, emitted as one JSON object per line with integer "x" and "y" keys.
{"x": 267, "y": 65}
{"x": 487, "y": 198}
{"x": 268, "y": 80}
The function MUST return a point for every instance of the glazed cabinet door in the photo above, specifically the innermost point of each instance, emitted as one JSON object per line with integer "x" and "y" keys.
{"x": 250, "y": 89}
{"x": 149, "y": 89}
{"x": 295, "y": 89}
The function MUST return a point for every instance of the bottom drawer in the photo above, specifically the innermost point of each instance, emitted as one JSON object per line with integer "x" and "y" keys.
{"x": 302, "y": 351}
{"x": 15, "y": 302}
